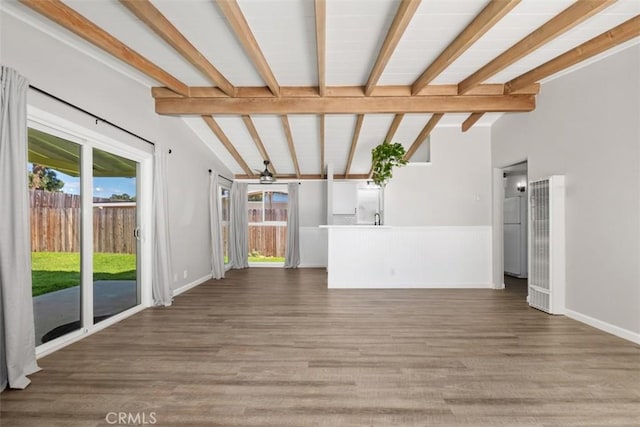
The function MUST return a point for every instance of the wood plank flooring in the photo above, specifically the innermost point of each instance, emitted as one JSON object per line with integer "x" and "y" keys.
{"x": 273, "y": 347}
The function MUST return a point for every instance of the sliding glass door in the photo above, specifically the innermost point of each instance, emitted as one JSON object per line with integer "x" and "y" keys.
{"x": 89, "y": 252}
{"x": 115, "y": 235}
{"x": 55, "y": 207}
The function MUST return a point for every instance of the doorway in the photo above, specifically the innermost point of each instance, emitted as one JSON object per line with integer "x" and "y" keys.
{"x": 90, "y": 255}
{"x": 267, "y": 216}
{"x": 515, "y": 227}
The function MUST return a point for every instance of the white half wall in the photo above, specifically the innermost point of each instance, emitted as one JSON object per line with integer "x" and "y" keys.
{"x": 587, "y": 127}
{"x": 73, "y": 76}
{"x": 409, "y": 257}
{"x": 453, "y": 190}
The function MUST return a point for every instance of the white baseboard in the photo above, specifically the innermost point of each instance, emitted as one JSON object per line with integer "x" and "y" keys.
{"x": 190, "y": 285}
{"x": 604, "y": 326}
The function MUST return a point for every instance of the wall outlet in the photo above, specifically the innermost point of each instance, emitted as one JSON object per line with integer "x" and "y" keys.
{"x": 184, "y": 274}
{"x": 175, "y": 277}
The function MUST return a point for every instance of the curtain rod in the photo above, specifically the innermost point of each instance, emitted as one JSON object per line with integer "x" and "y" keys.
{"x": 90, "y": 114}
{"x": 221, "y": 176}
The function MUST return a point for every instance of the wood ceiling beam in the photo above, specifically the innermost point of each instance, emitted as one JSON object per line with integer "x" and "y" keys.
{"x": 424, "y": 133}
{"x": 564, "y": 21}
{"x": 390, "y": 134}
{"x": 607, "y": 40}
{"x": 322, "y": 128}
{"x": 321, "y": 45}
{"x": 233, "y": 14}
{"x": 404, "y": 14}
{"x": 354, "y": 143}
{"x": 256, "y": 139}
{"x": 347, "y": 105}
{"x": 154, "y": 19}
{"x": 470, "y": 121}
{"x": 394, "y": 127}
{"x": 217, "y": 130}
{"x": 304, "y": 176}
{"x": 345, "y": 91}
{"x": 483, "y": 22}
{"x": 71, "y": 20}
{"x": 292, "y": 148}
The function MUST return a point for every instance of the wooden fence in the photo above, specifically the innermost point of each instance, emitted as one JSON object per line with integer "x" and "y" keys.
{"x": 268, "y": 240}
{"x": 55, "y": 224}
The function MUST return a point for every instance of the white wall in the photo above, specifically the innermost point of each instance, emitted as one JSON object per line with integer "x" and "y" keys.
{"x": 587, "y": 126}
{"x": 453, "y": 190}
{"x": 313, "y": 212}
{"x": 57, "y": 68}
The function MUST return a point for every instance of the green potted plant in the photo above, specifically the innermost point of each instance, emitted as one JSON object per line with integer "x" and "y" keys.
{"x": 384, "y": 158}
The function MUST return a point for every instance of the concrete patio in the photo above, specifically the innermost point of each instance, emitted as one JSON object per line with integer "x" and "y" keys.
{"x": 63, "y": 307}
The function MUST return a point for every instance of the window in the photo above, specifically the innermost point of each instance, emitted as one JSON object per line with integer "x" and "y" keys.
{"x": 225, "y": 207}
{"x": 267, "y": 225}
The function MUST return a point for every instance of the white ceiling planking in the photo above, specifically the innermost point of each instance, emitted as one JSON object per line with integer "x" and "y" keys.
{"x": 611, "y": 17}
{"x": 410, "y": 126}
{"x": 272, "y": 134}
{"x": 525, "y": 18}
{"x": 114, "y": 18}
{"x": 201, "y": 129}
{"x": 235, "y": 129}
{"x": 355, "y": 32}
{"x": 374, "y": 129}
{"x": 434, "y": 26}
{"x": 203, "y": 25}
{"x": 285, "y": 31}
{"x": 305, "y": 130}
{"x": 338, "y": 134}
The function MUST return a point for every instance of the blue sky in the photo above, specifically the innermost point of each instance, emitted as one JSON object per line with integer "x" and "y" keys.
{"x": 102, "y": 187}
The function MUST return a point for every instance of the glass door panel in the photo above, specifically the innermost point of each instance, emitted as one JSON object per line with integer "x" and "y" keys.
{"x": 224, "y": 203}
{"x": 267, "y": 226}
{"x": 55, "y": 216}
{"x": 115, "y": 235}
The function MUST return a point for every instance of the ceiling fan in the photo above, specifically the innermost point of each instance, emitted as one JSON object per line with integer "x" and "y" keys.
{"x": 266, "y": 177}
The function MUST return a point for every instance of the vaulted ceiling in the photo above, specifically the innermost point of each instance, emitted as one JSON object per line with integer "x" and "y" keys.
{"x": 306, "y": 83}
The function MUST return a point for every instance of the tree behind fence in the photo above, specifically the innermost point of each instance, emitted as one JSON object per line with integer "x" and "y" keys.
{"x": 55, "y": 224}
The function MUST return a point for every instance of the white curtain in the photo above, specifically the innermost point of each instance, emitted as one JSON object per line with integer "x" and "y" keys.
{"x": 239, "y": 226}
{"x": 292, "y": 251}
{"x": 217, "y": 251}
{"x": 17, "y": 348}
{"x": 162, "y": 260}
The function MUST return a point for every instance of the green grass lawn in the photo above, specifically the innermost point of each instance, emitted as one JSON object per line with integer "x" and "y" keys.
{"x": 261, "y": 258}
{"x": 52, "y": 271}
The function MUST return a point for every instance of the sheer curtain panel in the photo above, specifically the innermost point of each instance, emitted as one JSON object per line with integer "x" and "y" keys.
{"x": 217, "y": 252}
{"x": 239, "y": 226}
{"x": 17, "y": 330}
{"x": 162, "y": 260}
{"x": 292, "y": 252}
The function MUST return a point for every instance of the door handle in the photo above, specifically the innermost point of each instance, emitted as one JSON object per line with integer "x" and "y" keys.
{"x": 136, "y": 233}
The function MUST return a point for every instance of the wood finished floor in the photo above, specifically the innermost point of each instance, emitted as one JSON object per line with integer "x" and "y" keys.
{"x": 270, "y": 347}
